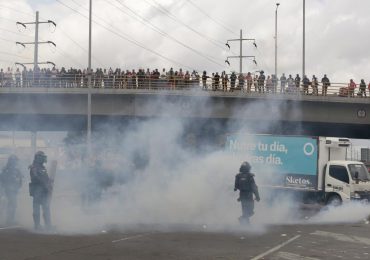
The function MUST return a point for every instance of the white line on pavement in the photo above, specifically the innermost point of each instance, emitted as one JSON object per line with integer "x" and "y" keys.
{"x": 275, "y": 248}
{"x": 291, "y": 256}
{"x": 132, "y": 237}
{"x": 342, "y": 237}
{"x": 13, "y": 227}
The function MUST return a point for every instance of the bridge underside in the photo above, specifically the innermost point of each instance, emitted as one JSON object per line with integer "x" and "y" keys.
{"x": 202, "y": 114}
{"x": 198, "y": 126}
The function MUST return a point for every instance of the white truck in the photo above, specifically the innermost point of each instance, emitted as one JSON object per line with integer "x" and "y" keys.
{"x": 314, "y": 168}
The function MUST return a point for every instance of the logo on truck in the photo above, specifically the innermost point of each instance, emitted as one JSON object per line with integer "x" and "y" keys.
{"x": 298, "y": 181}
{"x": 308, "y": 149}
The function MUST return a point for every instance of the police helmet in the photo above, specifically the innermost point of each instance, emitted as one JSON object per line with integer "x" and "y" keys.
{"x": 245, "y": 167}
{"x": 40, "y": 157}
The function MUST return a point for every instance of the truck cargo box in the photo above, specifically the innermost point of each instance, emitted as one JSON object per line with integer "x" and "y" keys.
{"x": 287, "y": 161}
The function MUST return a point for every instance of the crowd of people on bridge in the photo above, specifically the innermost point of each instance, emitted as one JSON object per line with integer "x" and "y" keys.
{"x": 176, "y": 79}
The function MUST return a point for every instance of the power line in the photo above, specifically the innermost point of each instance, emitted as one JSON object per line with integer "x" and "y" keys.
{"x": 158, "y": 30}
{"x": 210, "y": 17}
{"x": 5, "y": 18}
{"x": 124, "y": 36}
{"x": 3, "y": 39}
{"x": 80, "y": 5}
{"x": 59, "y": 29}
{"x": 67, "y": 55}
{"x": 15, "y": 55}
{"x": 241, "y": 57}
{"x": 8, "y": 61}
{"x": 16, "y": 10}
{"x": 70, "y": 57}
{"x": 17, "y": 33}
{"x": 79, "y": 45}
{"x": 166, "y": 12}
{"x": 153, "y": 27}
{"x": 36, "y": 42}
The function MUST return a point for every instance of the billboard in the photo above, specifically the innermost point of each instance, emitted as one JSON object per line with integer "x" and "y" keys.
{"x": 291, "y": 159}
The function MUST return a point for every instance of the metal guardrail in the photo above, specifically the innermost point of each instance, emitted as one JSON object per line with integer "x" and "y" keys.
{"x": 81, "y": 82}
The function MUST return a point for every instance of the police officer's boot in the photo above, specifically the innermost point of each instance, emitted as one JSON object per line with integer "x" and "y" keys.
{"x": 47, "y": 218}
{"x": 243, "y": 220}
{"x": 36, "y": 221}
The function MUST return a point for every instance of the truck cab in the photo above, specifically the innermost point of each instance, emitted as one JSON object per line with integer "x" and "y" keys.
{"x": 345, "y": 181}
{"x": 342, "y": 180}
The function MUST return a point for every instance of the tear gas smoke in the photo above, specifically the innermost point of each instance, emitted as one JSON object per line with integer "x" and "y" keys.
{"x": 165, "y": 176}
{"x": 347, "y": 213}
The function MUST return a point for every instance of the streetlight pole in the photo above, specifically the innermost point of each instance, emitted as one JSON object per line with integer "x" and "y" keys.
{"x": 241, "y": 53}
{"x": 36, "y": 52}
{"x": 276, "y": 14}
{"x": 89, "y": 87}
{"x": 304, "y": 41}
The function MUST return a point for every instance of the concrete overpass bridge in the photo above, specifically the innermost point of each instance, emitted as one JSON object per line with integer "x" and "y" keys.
{"x": 64, "y": 109}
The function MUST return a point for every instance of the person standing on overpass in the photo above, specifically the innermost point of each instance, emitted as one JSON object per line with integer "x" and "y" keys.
{"x": 325, "y": 84}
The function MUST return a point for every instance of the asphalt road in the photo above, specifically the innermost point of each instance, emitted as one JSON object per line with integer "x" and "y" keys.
{"x": 339, "y": 241}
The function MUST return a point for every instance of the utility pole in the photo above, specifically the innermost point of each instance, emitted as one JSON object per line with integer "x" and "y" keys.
{"x": 36, "y": 42}
{"x": 241, "y": 53}
{"x": 89, "y": 87}
{"x": 304, "y": 40}
{"x": 36, "y": 54}
{"x": 240, "y": 57}
{"x": 276, "y": 14}
{"x": 35, "y": 59}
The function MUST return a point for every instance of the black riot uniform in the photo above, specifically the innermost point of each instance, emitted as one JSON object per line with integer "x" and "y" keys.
{"x": 11, "y": 182}
{"x": 244, "y": 182}
{"x": 40, "y": 190}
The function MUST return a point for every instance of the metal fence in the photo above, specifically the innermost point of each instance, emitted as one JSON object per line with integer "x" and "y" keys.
{"x": 118, "y": 82}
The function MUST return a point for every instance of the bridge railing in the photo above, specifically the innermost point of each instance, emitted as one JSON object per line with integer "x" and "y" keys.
{"x": 334, "y": 89}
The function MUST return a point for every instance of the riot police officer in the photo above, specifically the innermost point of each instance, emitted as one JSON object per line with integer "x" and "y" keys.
{"x": 11, "y": 182}
{"x": 244, "y": 182}
{"x": 40, "y": 190}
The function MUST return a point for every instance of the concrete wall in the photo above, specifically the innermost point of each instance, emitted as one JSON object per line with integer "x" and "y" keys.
{"x": 49, "y": 107}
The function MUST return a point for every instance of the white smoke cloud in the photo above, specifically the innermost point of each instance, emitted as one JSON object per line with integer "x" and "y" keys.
{"x": 178, "y": 186}
{"x": 347, "y": 213}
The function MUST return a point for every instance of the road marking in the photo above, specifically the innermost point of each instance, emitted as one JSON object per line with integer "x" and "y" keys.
{"x": 342, "y": 237}
{"x": 132, "y": 237}
{"x": 291, "y": 256}
{"x": 275, "y": 248}
{"x": 84, "y": 247}
{"x": 6, "y": 228}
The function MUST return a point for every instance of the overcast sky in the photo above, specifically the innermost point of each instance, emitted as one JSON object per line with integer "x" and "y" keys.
{"x": 192, "y": 34}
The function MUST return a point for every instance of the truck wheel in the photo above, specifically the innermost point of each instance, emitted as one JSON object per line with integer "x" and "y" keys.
{"x": 334, "y": 200}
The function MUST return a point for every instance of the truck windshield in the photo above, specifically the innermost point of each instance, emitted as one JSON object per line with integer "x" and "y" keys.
{"x": 363, "y": 174}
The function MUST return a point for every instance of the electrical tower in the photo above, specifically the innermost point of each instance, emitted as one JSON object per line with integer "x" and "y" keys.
{"x": 240, "y": 57}
{"x": 36, "y": 42}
